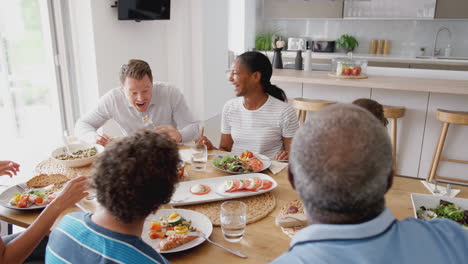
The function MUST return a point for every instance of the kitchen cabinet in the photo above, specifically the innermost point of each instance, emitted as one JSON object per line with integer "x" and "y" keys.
{"x": 389, "y": 9}
{"x": 451, "y": 9}
{"x": 291, "y": 89}
{"x": 303, "y": 9}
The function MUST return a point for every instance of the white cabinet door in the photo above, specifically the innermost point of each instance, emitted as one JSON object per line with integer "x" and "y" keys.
{"x": 303, "y": 9}
{"x": 410, "y": 128}
{"x": 398, "y": 9}
{"x": 334, "y": 93}
{"x": 292, "y": 90}
{"x": 456, "y": 144}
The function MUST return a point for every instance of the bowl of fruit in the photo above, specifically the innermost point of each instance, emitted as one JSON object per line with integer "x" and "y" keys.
{"x": 349, "y": 68}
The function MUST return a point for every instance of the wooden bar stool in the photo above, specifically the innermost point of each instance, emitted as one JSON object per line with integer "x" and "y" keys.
{"x": 393, "y": 113}
{"x": 447, "y": 117}
{"x": 303, "y": 105}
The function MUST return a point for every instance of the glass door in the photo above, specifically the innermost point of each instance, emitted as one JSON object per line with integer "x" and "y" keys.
{"x": 30, "y": 117}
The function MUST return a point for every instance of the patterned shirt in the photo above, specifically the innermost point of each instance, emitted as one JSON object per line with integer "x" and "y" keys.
{"x": 79, "y": 240}
{"x": 261, "y": 130}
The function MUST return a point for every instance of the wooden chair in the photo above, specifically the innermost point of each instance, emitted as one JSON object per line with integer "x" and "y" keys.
{"x": 447, "y": 117}
{"x": 303, "y": 105}
{"x": 393, "y": 113}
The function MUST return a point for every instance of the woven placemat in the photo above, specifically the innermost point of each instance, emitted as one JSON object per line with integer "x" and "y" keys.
{"x": 50, "y": 166}
{"x": 258, "y": 207}
{"x": 291, "y": 231}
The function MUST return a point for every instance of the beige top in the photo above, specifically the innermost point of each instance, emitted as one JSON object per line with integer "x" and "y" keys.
{"x": 374, "y": 82}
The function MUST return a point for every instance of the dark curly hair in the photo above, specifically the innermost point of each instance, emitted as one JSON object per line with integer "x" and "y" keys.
{"x": 374, "y": 107}
{"x": 135, "y": 175}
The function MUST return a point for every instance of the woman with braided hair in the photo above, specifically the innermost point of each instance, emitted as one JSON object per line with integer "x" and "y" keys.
{"x": 259, "y": 119}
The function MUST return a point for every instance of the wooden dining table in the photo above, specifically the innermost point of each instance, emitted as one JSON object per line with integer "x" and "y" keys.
{"x": 263, "y": 240}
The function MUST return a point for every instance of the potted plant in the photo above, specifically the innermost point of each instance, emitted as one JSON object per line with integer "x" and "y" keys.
{"x": 347, "y": 43}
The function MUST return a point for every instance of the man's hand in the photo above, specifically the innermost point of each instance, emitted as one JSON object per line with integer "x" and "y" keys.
{"x": 282, "y": 155}
{"x": 8, "y": 167}
{"x": 170, "y": 132}
{"x": 74, "y": 191}
{"x": 103, "y": 139}
{"x": 205, "y": 141}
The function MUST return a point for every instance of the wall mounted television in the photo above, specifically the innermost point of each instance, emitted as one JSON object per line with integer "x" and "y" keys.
{"x": 144, "y": 9}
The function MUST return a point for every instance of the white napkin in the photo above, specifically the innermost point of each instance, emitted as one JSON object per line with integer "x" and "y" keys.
{"x": 185, "y": 155}
{"x": 276, "y": 166}
{"x": 442, "y": 189}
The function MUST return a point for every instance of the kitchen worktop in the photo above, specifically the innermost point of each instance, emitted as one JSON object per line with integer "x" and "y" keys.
{"x": 381, "y": 58}
{"x": 374, "y": 81}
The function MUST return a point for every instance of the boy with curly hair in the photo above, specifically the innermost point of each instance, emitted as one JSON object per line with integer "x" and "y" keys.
{"x": 133, "y": 177}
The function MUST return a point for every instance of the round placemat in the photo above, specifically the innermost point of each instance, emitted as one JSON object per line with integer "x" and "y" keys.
{"x": 50, "y": 166}
{"x": 258, "y": 207}
{"x": 291, "y": 231}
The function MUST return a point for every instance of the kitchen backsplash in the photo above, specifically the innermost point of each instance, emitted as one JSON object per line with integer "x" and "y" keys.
{"x": 406, "y": 36}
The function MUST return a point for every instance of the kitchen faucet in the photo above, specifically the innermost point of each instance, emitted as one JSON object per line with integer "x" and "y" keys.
{"x": 435, "y": 51}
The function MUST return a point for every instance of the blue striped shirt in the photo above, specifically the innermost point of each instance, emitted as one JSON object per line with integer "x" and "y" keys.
{"x": 78, "y": 240}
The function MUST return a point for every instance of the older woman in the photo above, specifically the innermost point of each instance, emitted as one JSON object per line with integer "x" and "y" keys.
{"x": 259, "y": 119}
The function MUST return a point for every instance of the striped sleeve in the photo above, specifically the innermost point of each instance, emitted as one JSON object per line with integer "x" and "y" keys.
{"x": 289, "y": 123}
{"x": 225, "y": 122}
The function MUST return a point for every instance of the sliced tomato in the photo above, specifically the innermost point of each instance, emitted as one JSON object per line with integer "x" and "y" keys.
{"x": 235, "y": 186}
{"x": 206, "y": 189}
{"x": 266, "y": 184}
{"x": 244, "y": 184}
{"x": 254, "y": 164}
{"x": 156, "y": 226}
{"x": 255, "y": 183}
{"x": 39, "y": 200}
{"x": 153, "y": 234}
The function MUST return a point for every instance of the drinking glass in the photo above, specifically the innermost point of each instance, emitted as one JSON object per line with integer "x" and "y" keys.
{"x": 199, "y": 157}
{"x": 233, "y": 219}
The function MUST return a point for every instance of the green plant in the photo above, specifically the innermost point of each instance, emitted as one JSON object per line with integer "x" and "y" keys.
{"x": 347, "y": 42}
{"x": 263, "y": 41}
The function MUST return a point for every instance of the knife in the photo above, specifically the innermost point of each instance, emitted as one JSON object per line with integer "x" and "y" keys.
{"x": 291, "y": 220}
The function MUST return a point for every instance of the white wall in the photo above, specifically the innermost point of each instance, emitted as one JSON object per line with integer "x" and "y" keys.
{"x": 189, "y": 51}
{"x": 406, "y": 36}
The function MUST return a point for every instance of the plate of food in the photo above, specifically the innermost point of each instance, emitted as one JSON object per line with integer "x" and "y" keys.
{"x": 222, "y": 188}
{"x": 36, "y": 193}
{"x": 429, "y": 207}
{"x": 245, "y": 162}
{"x": 174, "y": 230}
{"x": 77, "y": 155}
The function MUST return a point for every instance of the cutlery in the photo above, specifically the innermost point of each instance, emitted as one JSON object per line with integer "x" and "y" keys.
{"x": 448, "y": 190}
{"x": 24, "y": 187}
{"x": 435, "y": 188}
{"x": 235, "y": 252}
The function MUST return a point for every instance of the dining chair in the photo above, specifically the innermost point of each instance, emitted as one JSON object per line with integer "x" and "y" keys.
{"x": 303, "y": 105}
{"x": 393, "y": 113}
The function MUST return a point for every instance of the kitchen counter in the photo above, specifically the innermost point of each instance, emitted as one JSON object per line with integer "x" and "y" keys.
{"x": 374, "y": 82}
{"x": 381, "y": 58}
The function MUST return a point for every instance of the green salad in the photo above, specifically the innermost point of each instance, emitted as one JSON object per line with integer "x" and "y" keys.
{"x": 445, "y": 210}
{"x": 231, "y": 164}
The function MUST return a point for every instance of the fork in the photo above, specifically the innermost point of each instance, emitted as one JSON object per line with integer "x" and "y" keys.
{"x": 24, "y": 186}
{"x": 202, "y": 235}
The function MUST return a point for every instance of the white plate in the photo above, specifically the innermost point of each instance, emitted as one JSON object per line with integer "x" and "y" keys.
{"x": 183, "y": 196}
{"x": 199, "y": 221}
{"x": 431, "y": 201}
{"x": 6, "y": 196}
{"x": 266, "y": 162}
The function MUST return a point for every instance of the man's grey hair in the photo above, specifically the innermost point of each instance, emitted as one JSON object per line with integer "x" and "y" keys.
{"x": 341, "y": 160}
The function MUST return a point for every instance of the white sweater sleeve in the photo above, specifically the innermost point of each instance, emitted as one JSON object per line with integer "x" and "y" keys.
{"x": 87, "y": 125}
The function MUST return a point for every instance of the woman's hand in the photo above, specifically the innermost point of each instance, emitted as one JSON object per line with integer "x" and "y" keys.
{"x": 74, "y": 191}
{"x": 282, "y": 156}
{"x": 205, "y": 141}
{"x": 8, "y": 167}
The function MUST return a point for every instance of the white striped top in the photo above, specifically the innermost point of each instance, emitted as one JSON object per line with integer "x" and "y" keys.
{"x": 261, "y": 130}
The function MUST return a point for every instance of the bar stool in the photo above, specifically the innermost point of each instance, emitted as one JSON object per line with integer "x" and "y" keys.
{"x": 393, "y": 113}
{"x": 303, "y": 105}
{"x": 447, "y": 117}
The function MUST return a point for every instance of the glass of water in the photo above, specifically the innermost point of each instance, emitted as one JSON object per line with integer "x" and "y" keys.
{"x": 199, "y": 157}
{"x": 233, "y": 219}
